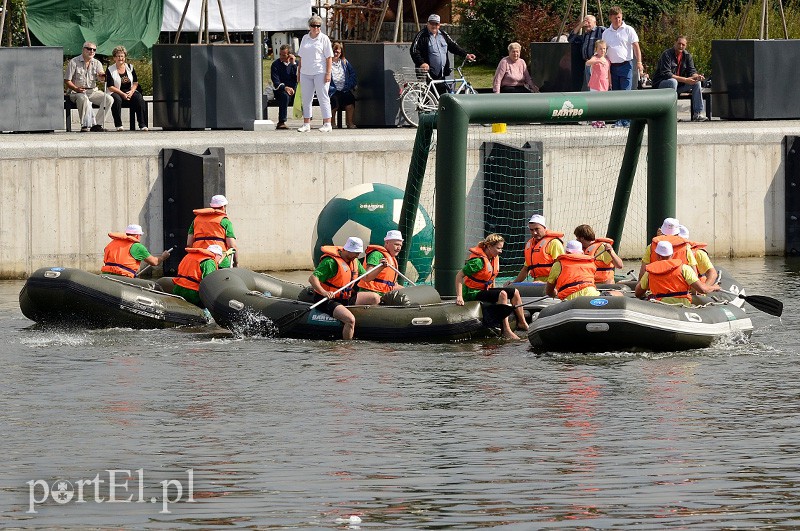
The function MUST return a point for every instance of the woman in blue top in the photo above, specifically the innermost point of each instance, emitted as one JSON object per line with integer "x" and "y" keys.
{"x": 343, "y": 81}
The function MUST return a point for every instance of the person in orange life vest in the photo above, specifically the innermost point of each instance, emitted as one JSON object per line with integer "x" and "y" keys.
{"x": 193, "y": 268}
{"x": 669, "y": 232}
{"x": 379, "y": 257}
{"x": 212, "y": 226}
{"x": 669, "y": 279}
{"x": 572, "y": 275}
{"x": 601, "y": 249}
{"x": 476, "y": 281}
{"x": 540, "y": 251}
{"x": 338, "y": 267}
{"x": 705, "y": 269}
{"x": 124, "y": 254}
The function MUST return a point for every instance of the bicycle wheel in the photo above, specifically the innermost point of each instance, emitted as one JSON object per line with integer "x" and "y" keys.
{"x": 416, "y": 101}
{"x": 469, "y": 90}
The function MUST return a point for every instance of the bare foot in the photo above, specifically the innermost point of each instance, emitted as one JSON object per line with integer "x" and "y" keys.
{"x": 511, "y": 335}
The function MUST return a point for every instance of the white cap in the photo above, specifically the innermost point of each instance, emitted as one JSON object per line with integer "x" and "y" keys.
{"x": 664, "y": 249}
{"x": 216, "y": 249}
{"x": 683, "y": 232}
{"x": 434, "y": 18}
{"x": 393, "y": 235}
{"x": 218, "y": 201}
{"x": 670, "y": 227}
{"x": 134, "y": 229}
{"x": 573, "y": 247}
{"x": 538, "y": 218}
{"x": 354, "y": 245}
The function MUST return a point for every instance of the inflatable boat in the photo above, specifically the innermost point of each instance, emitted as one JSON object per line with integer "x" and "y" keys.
{"x": 250, "y": 303}
{"x": 60, "y": 295}
{"x": 601, "y": 324}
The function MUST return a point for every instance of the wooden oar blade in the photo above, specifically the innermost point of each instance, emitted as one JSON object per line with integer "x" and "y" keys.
{"x": 765, "y": 304}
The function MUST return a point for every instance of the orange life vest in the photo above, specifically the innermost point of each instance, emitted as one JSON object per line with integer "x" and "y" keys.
{"x": 117, "y": 257}
{"x": 485, "y": 277}
{"x": 207, "y": 228}
{"x": 605, "y": 272}
{"x": 536, "y": 257}
{"x": 345, "y": 273}
{"x": 387, "y": 278}
{"x": 189, "y": 272}
{"x": 577, "y": 273}
{"x": 680, "y": 248}
{"x": 666, "y": 279}
{"x": 700, "y": 247}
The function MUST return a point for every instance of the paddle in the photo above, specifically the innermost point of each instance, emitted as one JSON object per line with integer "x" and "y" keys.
{"x": 534, "y": 301}
{"x": 760, "y": 302}
{"x": 401, "y": 274}
{"x": 290, "y": 318}
{"x": 148, "y": 266}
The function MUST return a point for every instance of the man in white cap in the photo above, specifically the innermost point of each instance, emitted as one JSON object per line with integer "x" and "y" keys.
{"x": 334, "y": 279}
{"x": 384, "y": 258}
{"x": 430, "y": 47}
{"x": 669, "y": 280}
{"x": 572, "y": 275}
{"x": 212, "y": 226}
{"x": 541, "y": 250}
{"x": 124, "y": 254}
{"x": 669, "y": 232}
{"x": 194, "y": 267}
{"x": 705, "y": 268}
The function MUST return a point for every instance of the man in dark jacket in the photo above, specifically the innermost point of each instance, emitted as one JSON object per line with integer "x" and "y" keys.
{"x": 585, "y": 40}
{"x": 284, "y": 78}
{"x": 676, "y": 70}
{"x": 430, "y": 47}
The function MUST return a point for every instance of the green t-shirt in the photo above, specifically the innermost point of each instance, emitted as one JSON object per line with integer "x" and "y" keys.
{"x": 328, "y": 268}
{"x": 471, "y": 267}
{"x": 207, "y": 267}
{"x": 139, "y": 251}
{"x": 225, "y": 223}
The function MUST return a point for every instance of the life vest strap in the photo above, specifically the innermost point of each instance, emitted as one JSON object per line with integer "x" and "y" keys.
{"x": 670, "y": 294}
{"x": 577, "y": 283}
{"x": 211, "y": 238}
{"x": 190, "y": 279}
{"x": 486, "y": 283}
{"x": 533, "y": 266}
{"x": 605, "y": 269}
{"x": 114, "y": 264}
{"x": 387, "y": 282}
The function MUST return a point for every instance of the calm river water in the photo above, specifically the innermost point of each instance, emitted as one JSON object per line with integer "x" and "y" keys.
{"x": 286, "y": 433}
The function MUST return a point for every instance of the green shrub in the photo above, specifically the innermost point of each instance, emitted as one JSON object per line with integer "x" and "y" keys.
{"x": 486, "y": 30}
{"x": 144, "y": 73}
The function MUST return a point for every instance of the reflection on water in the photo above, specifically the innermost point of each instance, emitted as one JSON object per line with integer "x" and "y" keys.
{"x": 287, "y": 433}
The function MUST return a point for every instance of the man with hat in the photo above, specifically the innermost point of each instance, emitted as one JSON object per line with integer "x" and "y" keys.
{"x": 333, "y": 279}
{"x": 212, "y": 226}
{"x": 540, "y": 251}
{"x": 384, "y": 258}
{"x": 430, "y": 47}
{"x": 705, "y": 268}
{"x": 669, "y": 231}
{"x": 124, "y": 254}
{"x": 194, "y": 267}
{"x": 572, "y": 274}
{"x": 669, "y": 279}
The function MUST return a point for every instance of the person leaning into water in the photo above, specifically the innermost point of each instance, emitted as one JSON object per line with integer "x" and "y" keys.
{"x": 212, "y": 226}
{"x": 195, "y": 266}
{"x": 124, "y": 254}
{"x": 601, "y": 249}
{"x": 476, "y": 281}
{"x": 540, "y": 251}
{"x": 572, "y": 274}
{"x": 669, "y": 280}
{"x": 370, "y": 292}
{"x": 338, "y": 268}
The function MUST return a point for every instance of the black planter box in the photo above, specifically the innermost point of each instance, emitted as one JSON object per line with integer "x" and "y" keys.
{"x": 200, "y": 86}
{"x": 377, "y": 94}
{"x": 757, "y": 80}
{"x": 32, "y": 98}
{"x": 553, "y": 68}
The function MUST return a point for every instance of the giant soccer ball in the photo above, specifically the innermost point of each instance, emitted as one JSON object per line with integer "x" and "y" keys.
{"x": 368, "y": 211}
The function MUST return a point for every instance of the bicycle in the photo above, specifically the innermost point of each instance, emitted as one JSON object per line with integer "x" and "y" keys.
{"x": 420, "y": 95}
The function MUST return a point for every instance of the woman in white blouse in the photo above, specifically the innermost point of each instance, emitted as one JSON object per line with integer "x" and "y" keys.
{"x": 314, "y": 74}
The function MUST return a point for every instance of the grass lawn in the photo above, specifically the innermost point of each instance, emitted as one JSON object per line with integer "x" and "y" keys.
{"x": 479, "y": 75}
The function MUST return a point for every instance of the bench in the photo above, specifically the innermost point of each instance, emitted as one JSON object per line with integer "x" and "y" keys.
{"x": 267, "y": 102}
{"x": 706, "y": 92}
{"x": 69, "y": 106}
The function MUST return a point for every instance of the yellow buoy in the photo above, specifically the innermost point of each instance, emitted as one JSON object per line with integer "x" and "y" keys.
{"x": 498, "y": 128}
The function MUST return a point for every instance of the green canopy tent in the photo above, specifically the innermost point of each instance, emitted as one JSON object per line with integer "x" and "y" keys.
{"x": 70, "y": 23}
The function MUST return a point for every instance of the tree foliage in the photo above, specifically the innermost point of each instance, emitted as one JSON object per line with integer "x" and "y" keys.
{"x": 14, "y": 31}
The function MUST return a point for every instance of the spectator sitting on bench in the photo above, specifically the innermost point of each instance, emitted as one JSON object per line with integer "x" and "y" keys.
{"x": 123, "y": 85}
{"x": 676, "y": 70}
{"x": 284, "y": 78}
{"x": 83, "y": 73}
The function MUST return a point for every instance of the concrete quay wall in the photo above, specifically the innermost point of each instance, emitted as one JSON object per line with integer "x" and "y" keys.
{"x": 61, "y": 193}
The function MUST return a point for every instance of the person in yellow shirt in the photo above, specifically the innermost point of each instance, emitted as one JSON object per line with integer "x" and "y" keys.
{"x": 669, "y": 280}
{"x": 540, "y": 251}
{"x": 705, "y": 269}
{"x": 669, "y": 232}
{"x": 572, "y": 275}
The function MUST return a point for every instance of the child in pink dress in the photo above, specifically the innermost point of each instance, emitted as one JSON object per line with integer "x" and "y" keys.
{"x": 600, "y": 79}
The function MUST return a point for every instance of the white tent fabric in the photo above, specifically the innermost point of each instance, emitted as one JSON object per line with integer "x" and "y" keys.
{"x": 274, "y": 15}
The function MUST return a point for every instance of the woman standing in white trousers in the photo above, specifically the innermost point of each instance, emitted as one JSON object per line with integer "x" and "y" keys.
{"x": 314, "y": 74}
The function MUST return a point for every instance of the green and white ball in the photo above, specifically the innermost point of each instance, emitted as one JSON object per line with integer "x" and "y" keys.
{"x": 368, "y": 211}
